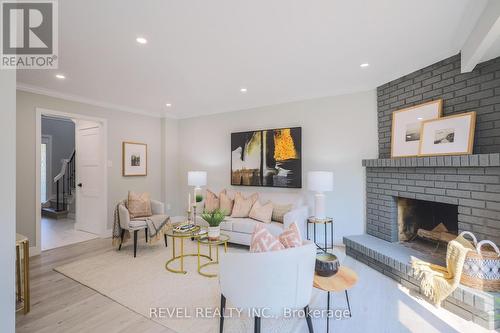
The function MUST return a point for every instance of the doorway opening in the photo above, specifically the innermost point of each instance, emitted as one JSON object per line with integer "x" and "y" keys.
{"x": 71, "y": 179}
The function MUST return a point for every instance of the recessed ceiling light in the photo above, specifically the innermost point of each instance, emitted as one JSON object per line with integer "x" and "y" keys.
{"x": 141, "y": 40}
{"x": 420, "y": 118}
{"x": 60, "y": 76}
{"x": 168, "y": 105}
{"x": 243, "y": 90}
{"x": 364, "y": 65}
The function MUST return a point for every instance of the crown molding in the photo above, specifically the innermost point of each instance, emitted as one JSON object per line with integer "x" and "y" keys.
{"x": 79, "y": 99}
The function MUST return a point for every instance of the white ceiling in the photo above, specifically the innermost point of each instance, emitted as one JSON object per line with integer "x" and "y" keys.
{"x": 200, "y": 53}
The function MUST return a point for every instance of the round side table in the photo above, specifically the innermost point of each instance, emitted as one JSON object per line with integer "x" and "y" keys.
{"x": 326, "y": 221}
{"x": 204, "y": 240}
{"x": 181, "y": 236}
{"x": 343, "y": 280}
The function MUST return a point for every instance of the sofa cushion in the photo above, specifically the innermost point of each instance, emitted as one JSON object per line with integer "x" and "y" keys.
{"x": 279, "y": 212}
{"x": 243, "y": 225}
{"x": 139, "y": 204}
{"x": 291, "y": 237}
{"x": 226, "y": 203}
{"x": 226, "y": 225}
{"x": 260, "y": 212}
{"x": 263, "y": 240}
{"x": 137, "y": 223}
{"x": 212, "y": 202}
{"x": 242, "y": 205}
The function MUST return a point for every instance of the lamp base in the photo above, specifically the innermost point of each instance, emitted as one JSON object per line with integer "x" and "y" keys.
{"x": 319, "y": 206}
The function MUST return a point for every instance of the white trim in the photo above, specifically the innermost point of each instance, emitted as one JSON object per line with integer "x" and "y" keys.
{"x": 34, "y": 251}
{"x": 75, "y": 98}
{"x": 482, "y": 37}
{"x": 49, "y": 180}
{"x": 38, "y": 138}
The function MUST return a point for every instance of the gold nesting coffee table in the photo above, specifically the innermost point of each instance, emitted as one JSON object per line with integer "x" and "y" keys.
{"x": 204, "y": 240}
{"x": 181, "y": 236}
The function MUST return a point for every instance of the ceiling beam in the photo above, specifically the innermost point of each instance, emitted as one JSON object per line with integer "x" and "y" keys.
{"x": 482, "y": 37}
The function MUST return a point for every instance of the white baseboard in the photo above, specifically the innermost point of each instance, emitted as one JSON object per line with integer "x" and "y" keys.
{"x": 34, "y": 251}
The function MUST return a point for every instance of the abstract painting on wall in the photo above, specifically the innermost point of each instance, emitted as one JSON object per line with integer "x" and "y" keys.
{"x": 267, "y": 158}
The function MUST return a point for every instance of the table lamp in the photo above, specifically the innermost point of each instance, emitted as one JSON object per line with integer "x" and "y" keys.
{"x": 319, "y": 182}
{"x": 197, "y": 179}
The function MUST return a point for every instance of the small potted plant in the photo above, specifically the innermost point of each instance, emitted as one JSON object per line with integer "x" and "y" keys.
{"x": 214, "y": 219}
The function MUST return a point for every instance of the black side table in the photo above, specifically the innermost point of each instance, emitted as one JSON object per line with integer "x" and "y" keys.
{"x": 326, "y": 221}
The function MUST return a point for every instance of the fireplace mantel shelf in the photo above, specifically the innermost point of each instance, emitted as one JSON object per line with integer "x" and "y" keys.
{"x": 476, "y": 160}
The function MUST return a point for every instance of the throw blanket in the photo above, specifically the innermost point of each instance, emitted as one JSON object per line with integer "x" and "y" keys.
{"x": 157, "y": 225}
{"x": 437, "y": 282}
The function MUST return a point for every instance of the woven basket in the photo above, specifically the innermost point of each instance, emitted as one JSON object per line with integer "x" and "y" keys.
{"x": 482, "y": 267}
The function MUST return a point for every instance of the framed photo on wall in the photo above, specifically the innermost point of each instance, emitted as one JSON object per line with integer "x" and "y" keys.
{"x": 134, "y": 159}
{"x": 406, "y": 125}
{"x": 271, "y": 158}
{"x": 453, "y": 135}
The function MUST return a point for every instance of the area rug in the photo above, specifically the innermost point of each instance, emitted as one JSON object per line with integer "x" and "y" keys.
{"x": 188, "y": 303}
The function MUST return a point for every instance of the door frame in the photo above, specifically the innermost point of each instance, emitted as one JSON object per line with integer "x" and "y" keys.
{"x": 48, "y": 170}
{"x": 104, "y": 158}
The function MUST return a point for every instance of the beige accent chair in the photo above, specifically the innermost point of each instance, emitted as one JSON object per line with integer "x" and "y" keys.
{"x": 134, "y": 225}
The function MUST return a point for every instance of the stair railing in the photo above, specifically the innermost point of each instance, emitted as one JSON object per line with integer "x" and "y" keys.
{"x": 66, "y": 178}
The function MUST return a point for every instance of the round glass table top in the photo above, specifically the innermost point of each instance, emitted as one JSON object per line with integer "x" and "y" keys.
{"x": 196, "y": 232}
{"x": 223, "y": 238}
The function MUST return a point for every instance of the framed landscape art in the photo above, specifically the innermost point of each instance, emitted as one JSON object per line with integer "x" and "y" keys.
{"x": 406, "y": 125}
{"x": 453, "y": 135}
{"x": 134, "y": 159}
{"x": 267, "y": 158}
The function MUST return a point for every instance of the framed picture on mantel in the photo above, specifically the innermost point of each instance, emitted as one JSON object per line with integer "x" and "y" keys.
{"x": 134, "y": 159}
{"x": 406, "y": 126}
{"x": 453, "y": 135}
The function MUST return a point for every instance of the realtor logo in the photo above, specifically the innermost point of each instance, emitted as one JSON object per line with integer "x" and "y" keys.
{"x": 29, "y": 34}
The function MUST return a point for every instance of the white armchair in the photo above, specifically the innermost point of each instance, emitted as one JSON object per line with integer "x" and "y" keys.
{"x": 134, "y": 225}
{"x": 273, "y": 281}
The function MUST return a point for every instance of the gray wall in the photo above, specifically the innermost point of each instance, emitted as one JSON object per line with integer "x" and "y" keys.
{"x": 337, "y": 132}
{"x": 7, "y": 199}
{"x": 477, "y": 91}
{"x": 63, "y": 143}
{"x": 122, "y": 126}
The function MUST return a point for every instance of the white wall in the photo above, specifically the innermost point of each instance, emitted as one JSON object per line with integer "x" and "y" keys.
{"x": 337, "y": 133}
{"x": 7, "y": 199}
{"x": 122, "y": 126}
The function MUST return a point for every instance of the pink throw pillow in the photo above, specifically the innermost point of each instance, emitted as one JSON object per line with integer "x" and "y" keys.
{"x": 291, "y": 237}
{"x": 263, "y": 241}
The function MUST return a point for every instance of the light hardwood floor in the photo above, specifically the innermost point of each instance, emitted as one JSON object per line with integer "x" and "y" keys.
{"x": 60, "y": 304}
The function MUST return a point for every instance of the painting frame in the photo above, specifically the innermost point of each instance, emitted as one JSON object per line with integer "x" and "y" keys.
{"x": 442, "y": 135}
{"x": 136, "y": 167}
{"x": 406, "y": 127}
{"x": 295, "y": 134}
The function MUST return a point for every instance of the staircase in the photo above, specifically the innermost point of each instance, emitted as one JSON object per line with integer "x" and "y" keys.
{"x": 58, "y": 206}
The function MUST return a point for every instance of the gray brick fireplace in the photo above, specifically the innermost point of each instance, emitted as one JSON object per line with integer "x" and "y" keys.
{"x": 471, "y": 183}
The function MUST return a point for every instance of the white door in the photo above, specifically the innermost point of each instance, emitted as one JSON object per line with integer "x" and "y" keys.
{"x": 90, "y": 209}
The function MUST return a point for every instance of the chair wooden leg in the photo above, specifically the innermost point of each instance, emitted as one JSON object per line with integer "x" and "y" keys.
{"x": 135, "y": 242}
{"x": 165, "y": 238}
{"x": 308, "y": 320}
{"x": 222, "y": 307}
{"x": 121, "y": 239}
{"x": 257, "y": 325}
{"x": 146, "y": 234}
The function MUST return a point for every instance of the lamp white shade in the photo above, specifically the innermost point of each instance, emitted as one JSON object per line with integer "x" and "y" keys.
{"x": 320, "y": 181}
{"x": 197, "y": 178}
